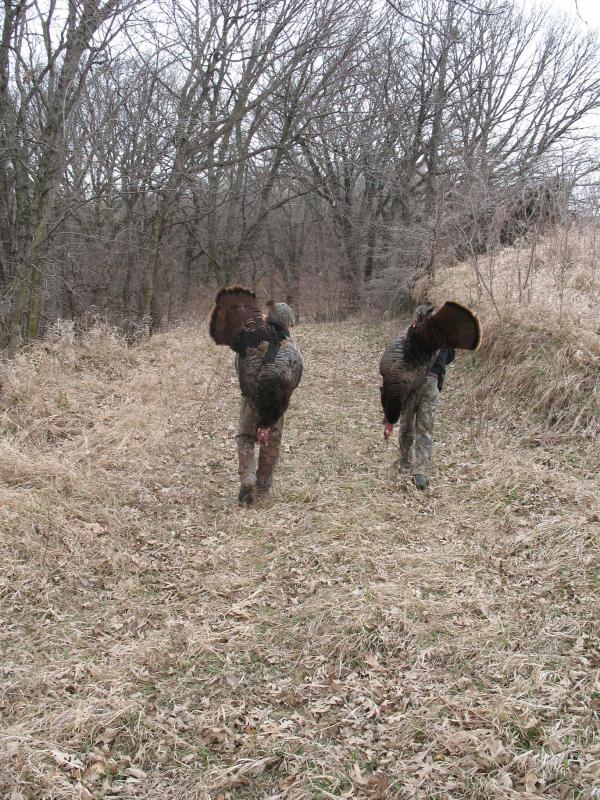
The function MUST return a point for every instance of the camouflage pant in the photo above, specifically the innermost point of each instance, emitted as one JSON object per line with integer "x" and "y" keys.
{"x": 416, "y": 429}
{"x": 250, "y": 475}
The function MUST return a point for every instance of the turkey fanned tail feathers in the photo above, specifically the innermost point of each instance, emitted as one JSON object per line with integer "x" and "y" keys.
{"x": 453, "y": 326}
{"x": 406, "y": 362}
{"x": 236, "y": 309}
{"x": 269, "y": 365}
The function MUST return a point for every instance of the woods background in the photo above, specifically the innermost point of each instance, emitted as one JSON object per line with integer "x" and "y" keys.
{"x": 328, "y": 153}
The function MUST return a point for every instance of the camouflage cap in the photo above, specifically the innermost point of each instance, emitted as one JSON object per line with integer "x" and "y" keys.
{"x": 280, "y": 312}
{"x": 422, "y": 311}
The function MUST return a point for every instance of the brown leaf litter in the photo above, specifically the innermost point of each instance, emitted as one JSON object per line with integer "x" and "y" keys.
{"x": 356, "y": 638}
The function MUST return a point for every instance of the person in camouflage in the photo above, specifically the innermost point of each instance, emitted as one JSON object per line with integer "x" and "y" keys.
{"x": 417, "y": 424}
{"x": 256, "y": 481}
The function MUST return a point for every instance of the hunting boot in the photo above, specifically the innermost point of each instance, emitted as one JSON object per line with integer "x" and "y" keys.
{"x": 267, "y": 461}
{"x": 247, "y": 469}
{"x": 421, "y": 481}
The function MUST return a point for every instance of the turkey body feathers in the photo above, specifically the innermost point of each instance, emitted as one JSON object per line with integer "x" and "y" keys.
{"x": 269, "y": 364}
{"x": 404, "y": 366}
{"x": 406, "y": 362}
{"x": 268, "y": 380}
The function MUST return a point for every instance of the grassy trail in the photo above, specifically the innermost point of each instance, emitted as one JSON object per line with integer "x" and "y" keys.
{"x": 356, "y": 638}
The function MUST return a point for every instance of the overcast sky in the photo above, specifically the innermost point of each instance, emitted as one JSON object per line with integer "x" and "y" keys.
{"x": 589, "y": 10}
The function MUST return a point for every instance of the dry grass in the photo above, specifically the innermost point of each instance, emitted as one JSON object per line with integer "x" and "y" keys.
{"x": 555, "y": 279}
{"x": 355, "y": 639}
{"x": 540, "y": 305}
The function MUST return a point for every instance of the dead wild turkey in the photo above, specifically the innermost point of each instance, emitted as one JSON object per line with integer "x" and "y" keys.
{"x": 269, "y": 364}
{"x": 406, "y": 362}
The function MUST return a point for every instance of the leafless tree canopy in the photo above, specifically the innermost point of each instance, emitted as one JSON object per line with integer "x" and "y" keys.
{"x": 321, "y": 150}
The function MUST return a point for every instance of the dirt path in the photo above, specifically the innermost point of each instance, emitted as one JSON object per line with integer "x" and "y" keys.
{"x": 355, "y": 639}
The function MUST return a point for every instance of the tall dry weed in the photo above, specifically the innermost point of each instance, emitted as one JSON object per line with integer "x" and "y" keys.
{"x": 49, "y": 389}
{"x": 541, "y": 344}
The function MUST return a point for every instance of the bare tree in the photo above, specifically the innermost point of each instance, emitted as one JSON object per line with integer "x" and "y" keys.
{"x": 287, "y": 143}
{"x": 45, "y": 60}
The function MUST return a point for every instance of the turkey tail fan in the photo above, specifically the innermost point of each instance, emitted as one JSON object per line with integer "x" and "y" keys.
{"x": 234, "y": 307}
{"x": 452, "y": 326}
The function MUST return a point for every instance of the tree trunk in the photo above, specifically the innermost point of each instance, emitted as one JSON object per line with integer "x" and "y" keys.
{"x": 151, "y": 307}
{"x": 29, "y": 275}
{"x": 437, "y": 130}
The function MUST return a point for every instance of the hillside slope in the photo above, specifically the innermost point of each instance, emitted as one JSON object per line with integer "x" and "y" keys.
{"x": 355, "y": 639}
{"x": 539, "y": 302}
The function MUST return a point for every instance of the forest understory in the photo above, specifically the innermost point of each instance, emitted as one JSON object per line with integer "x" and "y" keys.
{"x": 352, "y": 638}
